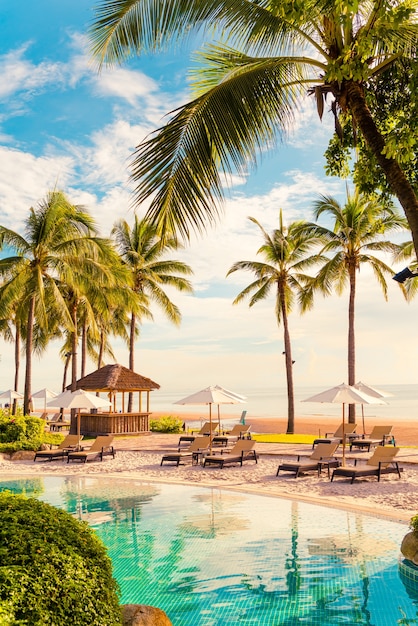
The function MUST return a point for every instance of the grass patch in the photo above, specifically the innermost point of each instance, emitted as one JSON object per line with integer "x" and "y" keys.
{"x": 283, "y": 438}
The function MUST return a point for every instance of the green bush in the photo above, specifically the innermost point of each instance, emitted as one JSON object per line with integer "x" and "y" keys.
{"x": 20, "y": 432}
{"x": 53, "y": 568}
{"x": 166, "y": 424}
{"x": 413, "y": 523}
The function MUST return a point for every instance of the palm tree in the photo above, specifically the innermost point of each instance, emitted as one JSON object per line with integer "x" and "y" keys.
{"x": 359, "y": 227}
{"x": 250, "y": 84}
{"x": 143, "y": 252}
{"x": 286, "y": 253}
{"x": 56, "y": 245}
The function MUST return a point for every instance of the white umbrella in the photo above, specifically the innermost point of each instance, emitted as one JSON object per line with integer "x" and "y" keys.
{"x": 79, "y": 399}
{"x": 344, "y": 394}
{"x": 45, "y": 394}
{"x": 371, "y": 391}
{"x": 215, "y": 394}
{"x": 11, "y": 395}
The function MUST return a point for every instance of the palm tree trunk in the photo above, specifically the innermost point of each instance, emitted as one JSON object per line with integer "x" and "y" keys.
{"x": 66, "y": 364}
{"x": 131, "y": 356}
{"x": 17, "y": 364}
{"x": 83, "y": 350}
{"x": 393, "y": 172}
{"x": 289, "y": 370}
{"x": 74, "y": 342}
{"x": 28, "y": 370}
{"x": 101, "y": 350}
{"x": 351, "y": 341}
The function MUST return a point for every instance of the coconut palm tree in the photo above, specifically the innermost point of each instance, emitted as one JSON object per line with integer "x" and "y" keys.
{"x": 287, "y": 253}
{"x": 359, "y": 228}
{"x": 250, "y": 84}
{"x": 56, "y": 249}
{"x": 143, "y": 252}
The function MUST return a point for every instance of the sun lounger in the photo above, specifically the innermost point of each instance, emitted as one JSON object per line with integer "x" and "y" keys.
{"x": 381, "y": 462}
{"x": 322, "y": 456}
{"x": 242, "y": 451}
{"x": 199, "y": 445}
{"x": 69, "y": 443}
{"x": 239, "y": 431}
{"x": 56, "y": 423}
{"x": 101, "y": 447}
{"x": 347, "y": 430}
{"x": 379, "y": 436}
{"x": 206, "y": 430}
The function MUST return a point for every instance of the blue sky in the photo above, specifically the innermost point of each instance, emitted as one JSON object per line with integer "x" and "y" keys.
{"x": 64, "y": 125}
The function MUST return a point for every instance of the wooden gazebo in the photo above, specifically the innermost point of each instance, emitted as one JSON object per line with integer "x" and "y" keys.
{"x": 113, "y": 380}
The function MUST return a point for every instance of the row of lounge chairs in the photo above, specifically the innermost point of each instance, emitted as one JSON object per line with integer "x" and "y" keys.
{"x": 243, "y": 450}
{"x": 71, "y": 450}
{"x": 379, "y": 436}
{"x": 239, "y": 431}
{"x": 323, "y": 456}
{"x": 381, "y": 462}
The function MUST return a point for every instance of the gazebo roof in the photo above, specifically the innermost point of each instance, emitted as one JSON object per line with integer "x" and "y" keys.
{"x": 116, "y": 378}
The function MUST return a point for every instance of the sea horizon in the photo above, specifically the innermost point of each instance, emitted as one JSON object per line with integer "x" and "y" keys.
{"x": 272, "y": 403}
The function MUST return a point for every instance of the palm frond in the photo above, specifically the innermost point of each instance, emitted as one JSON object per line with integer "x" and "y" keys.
{"x": 224, "y": 130}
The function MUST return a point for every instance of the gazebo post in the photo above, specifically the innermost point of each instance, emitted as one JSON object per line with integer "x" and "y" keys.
{"x": 140, "y": 401}
{"x": 123, "y": 402}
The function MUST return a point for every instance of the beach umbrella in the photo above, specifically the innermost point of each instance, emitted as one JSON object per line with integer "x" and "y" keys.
{"x": 215, "y": 394}
{"x": 79, "y": 399}
{"x": 11, "y": 395}
{"x": 371, "y": 391}
{"x": 344, "y": 394}
{"x": 44, "y": 394}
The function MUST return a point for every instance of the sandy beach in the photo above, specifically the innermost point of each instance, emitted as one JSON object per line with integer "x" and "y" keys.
{"x": 139, "y": 458}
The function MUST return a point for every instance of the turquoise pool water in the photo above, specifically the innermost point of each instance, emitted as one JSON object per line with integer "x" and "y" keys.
{"x": 212, "y": 557}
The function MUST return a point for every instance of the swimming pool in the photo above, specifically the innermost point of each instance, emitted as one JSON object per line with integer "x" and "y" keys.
{"x": 212, "y": 557}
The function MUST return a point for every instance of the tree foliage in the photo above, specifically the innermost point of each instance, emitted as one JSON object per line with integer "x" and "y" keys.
{"x": 53, "y": 568}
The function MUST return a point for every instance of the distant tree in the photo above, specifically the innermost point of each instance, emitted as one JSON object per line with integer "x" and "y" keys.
{"x": 57, "y": 247}
{"x": 358, "y": 232}
{"x": 144, "y": 252}
{"x": 287, "y": 253}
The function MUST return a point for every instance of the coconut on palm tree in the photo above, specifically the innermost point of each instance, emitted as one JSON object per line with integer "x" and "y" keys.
{"x": 287, "y": 253}
{"x": 145, "y": 255}
{"x": 250, "y": 83}
{"x": 358, "y": 233}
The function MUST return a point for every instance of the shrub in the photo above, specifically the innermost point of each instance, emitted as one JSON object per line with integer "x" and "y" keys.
{"x": 20, "y": 432}
{"x": 166, "y": 424}
{"x": 53, "y": 568}
{"x": 413, "y": 523}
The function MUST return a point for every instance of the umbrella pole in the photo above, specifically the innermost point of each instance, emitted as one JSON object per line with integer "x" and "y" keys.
{"x": 78, "y": 425}
{"x": 210, "y": 427}
{"x": 219, "y": 421}
{"x": 343, "y": 462}
{"x": 362, "y": 417}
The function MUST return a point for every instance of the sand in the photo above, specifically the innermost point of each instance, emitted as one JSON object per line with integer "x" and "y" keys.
{"x": 139, "y": 458}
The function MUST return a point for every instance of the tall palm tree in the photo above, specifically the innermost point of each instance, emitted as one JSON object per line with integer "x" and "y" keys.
{"x": 249, "y": 85}
{"x": 287, "y": 252}
{"x": 358, "y": 232}
{"x": 57, "y": 244}
{"x": 143, "y": 252}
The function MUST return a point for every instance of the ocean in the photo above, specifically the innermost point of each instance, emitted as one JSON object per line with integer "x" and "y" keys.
{"x": 402, "y": 405}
